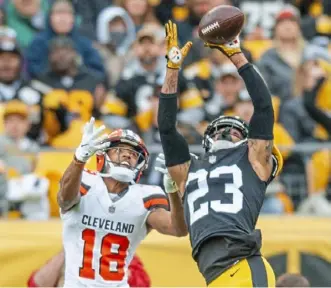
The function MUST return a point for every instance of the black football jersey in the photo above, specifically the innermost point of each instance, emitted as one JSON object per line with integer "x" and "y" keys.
{"x": 223, "y": 198}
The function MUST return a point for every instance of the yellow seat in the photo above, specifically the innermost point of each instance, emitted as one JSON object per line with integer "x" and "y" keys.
{"x": 52, "y": 165}
{"x": 321, "y": 170}
{"x": 72, "y": 137}
{"x": 2, "y": 109}
{"x": 257, "y": 47}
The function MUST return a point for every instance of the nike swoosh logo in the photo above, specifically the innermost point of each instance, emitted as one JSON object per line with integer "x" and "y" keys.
{"x": 231, "y": 275}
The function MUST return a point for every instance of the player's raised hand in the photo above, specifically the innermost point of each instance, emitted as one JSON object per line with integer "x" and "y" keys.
{"x": 175, "y": 56}
{"x": 228, "y": 49}
{"x": 91, "y": 142}
{"x": 169, "y": 185}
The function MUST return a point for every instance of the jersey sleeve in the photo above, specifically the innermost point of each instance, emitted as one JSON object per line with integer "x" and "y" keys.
{"x": 88, "y": 177}
{"x": 154, "y": 197}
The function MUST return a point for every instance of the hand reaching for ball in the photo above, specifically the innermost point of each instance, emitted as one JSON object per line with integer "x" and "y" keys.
{"x": 175, "y": 55}
{"x": 220, "y": 27}
{"x": 228, "y": 49}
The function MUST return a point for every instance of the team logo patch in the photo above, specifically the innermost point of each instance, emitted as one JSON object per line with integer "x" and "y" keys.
{"x": 111, "y": 209}
{"x": 175, "y": 55}
{"x": 212, "y": 159}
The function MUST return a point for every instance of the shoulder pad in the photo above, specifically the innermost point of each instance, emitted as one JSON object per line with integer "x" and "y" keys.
{"x": 88, "y": 179}
{"x": 154, "y": 197}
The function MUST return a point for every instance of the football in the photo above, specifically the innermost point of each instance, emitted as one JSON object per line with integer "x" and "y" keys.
{"x": 221, "y": 24}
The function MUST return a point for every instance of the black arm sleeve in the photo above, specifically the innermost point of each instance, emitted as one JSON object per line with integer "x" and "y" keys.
{"x": 314, "y": 112}
{"x": 174, "y": 146}
{"x": 262, "y": 121}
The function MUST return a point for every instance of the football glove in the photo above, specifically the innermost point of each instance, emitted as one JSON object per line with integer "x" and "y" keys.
{"x": 175, "y": 56}
{"x": 91, "y": 143}
{"x": 228, "y": 49}
{"x": 170, "y": 185}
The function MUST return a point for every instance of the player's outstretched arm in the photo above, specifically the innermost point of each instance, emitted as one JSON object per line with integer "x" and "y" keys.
{"x": 260, "y": 135}
{"x": 175, "y": 148}
{"x": 261, "y": 125}
{"x": 69, "y": 194}
{"x": 165, "y": 222}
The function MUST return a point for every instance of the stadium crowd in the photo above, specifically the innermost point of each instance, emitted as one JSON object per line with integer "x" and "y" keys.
{"x": 62, "y": 62}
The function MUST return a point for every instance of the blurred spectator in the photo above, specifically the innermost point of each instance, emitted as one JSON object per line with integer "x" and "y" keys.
{"x": 135, "y": 87}
{"x": 271, "y": 204}
{"x": 26, "y": 17}
{"x": 115, "y": 34}
{"x": 27, "y": 193}
{"x": 317, "y": 24}
{"x": 302, "y": 128}
{"x": 3, "y": 20}
{"x": 69, "y": 90}
{"x": 12, "y": 86}
{"x": 292, "y": 280}
{"x": 261, "y": 17}
{"x": 7, "y": 34}
{"x": 87, "y": 12}
{"x": 316, "y": 80}
{"x": 140, "y": 11}
{"x": 188, "y": 28}
{"x": 61, "y": 22}
{"x": 293, "y": 114}
{"x": 228, "y": 86}
{"x": 278, "y": 64}
{"x": 309, "y": 7}
{"x": 169, "y": 9}
{"x": 51, "y": 274}
{"x": 146, "y": 71}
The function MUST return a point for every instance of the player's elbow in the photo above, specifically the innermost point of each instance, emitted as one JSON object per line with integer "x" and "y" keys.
{"x": 66, "y": 202}
{"x": 181, "y": 233}
{"x": 179, "y": 230}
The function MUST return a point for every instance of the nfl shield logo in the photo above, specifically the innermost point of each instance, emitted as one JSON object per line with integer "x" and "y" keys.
{"x": 212, "y": 159}
{"x": 111, "y": 209}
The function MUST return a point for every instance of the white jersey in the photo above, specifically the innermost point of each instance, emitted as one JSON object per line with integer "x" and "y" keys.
{"x": 100, "y": 235}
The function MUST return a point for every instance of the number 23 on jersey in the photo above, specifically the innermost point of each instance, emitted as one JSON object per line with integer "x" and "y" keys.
{"x": 203, "y": 190}
{"x": 112, "y": 256}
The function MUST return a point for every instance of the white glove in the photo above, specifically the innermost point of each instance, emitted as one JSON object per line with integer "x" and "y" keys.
{"x": 170, "y": 185}
{"x": 90, "y": 143}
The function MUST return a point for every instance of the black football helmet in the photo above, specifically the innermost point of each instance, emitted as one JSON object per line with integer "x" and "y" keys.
{"x": 223, "y": 122}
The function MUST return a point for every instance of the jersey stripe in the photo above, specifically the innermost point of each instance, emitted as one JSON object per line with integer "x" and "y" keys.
{"x": 84, "y": 189}
{"x": 156, "y": 201}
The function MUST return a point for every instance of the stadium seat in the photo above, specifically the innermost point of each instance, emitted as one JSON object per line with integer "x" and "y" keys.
{"x": 72, "y": 137}
{"x": 52, "y": 165}
{"x": 1, "y": 117}
{"x": 257, "y": 47}
{"x": 320, "y": 170}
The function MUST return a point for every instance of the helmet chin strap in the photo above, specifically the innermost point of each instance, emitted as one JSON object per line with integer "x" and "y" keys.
{"x": 221, "y": 144}
{"x": 119, "y": 173}
{"x": 224, "y": 141}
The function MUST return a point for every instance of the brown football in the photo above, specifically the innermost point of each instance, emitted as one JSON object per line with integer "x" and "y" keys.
{"x": 221, "y": 24}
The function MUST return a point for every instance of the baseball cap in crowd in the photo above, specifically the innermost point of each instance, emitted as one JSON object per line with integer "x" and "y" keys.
{"x": 9, "y": 46}
{"x": 229, "y": 70}
{"x": 153, "y": 31}
{"x": 16, "y": 107}
{"x": 61, "y": 42}
{"x": 289, "y": 12}
{"x": 7, "y": 33}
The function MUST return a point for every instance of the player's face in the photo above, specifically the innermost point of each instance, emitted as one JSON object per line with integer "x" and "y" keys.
{"x": 124, "y": 155}
{"x": 235, "y": 135}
